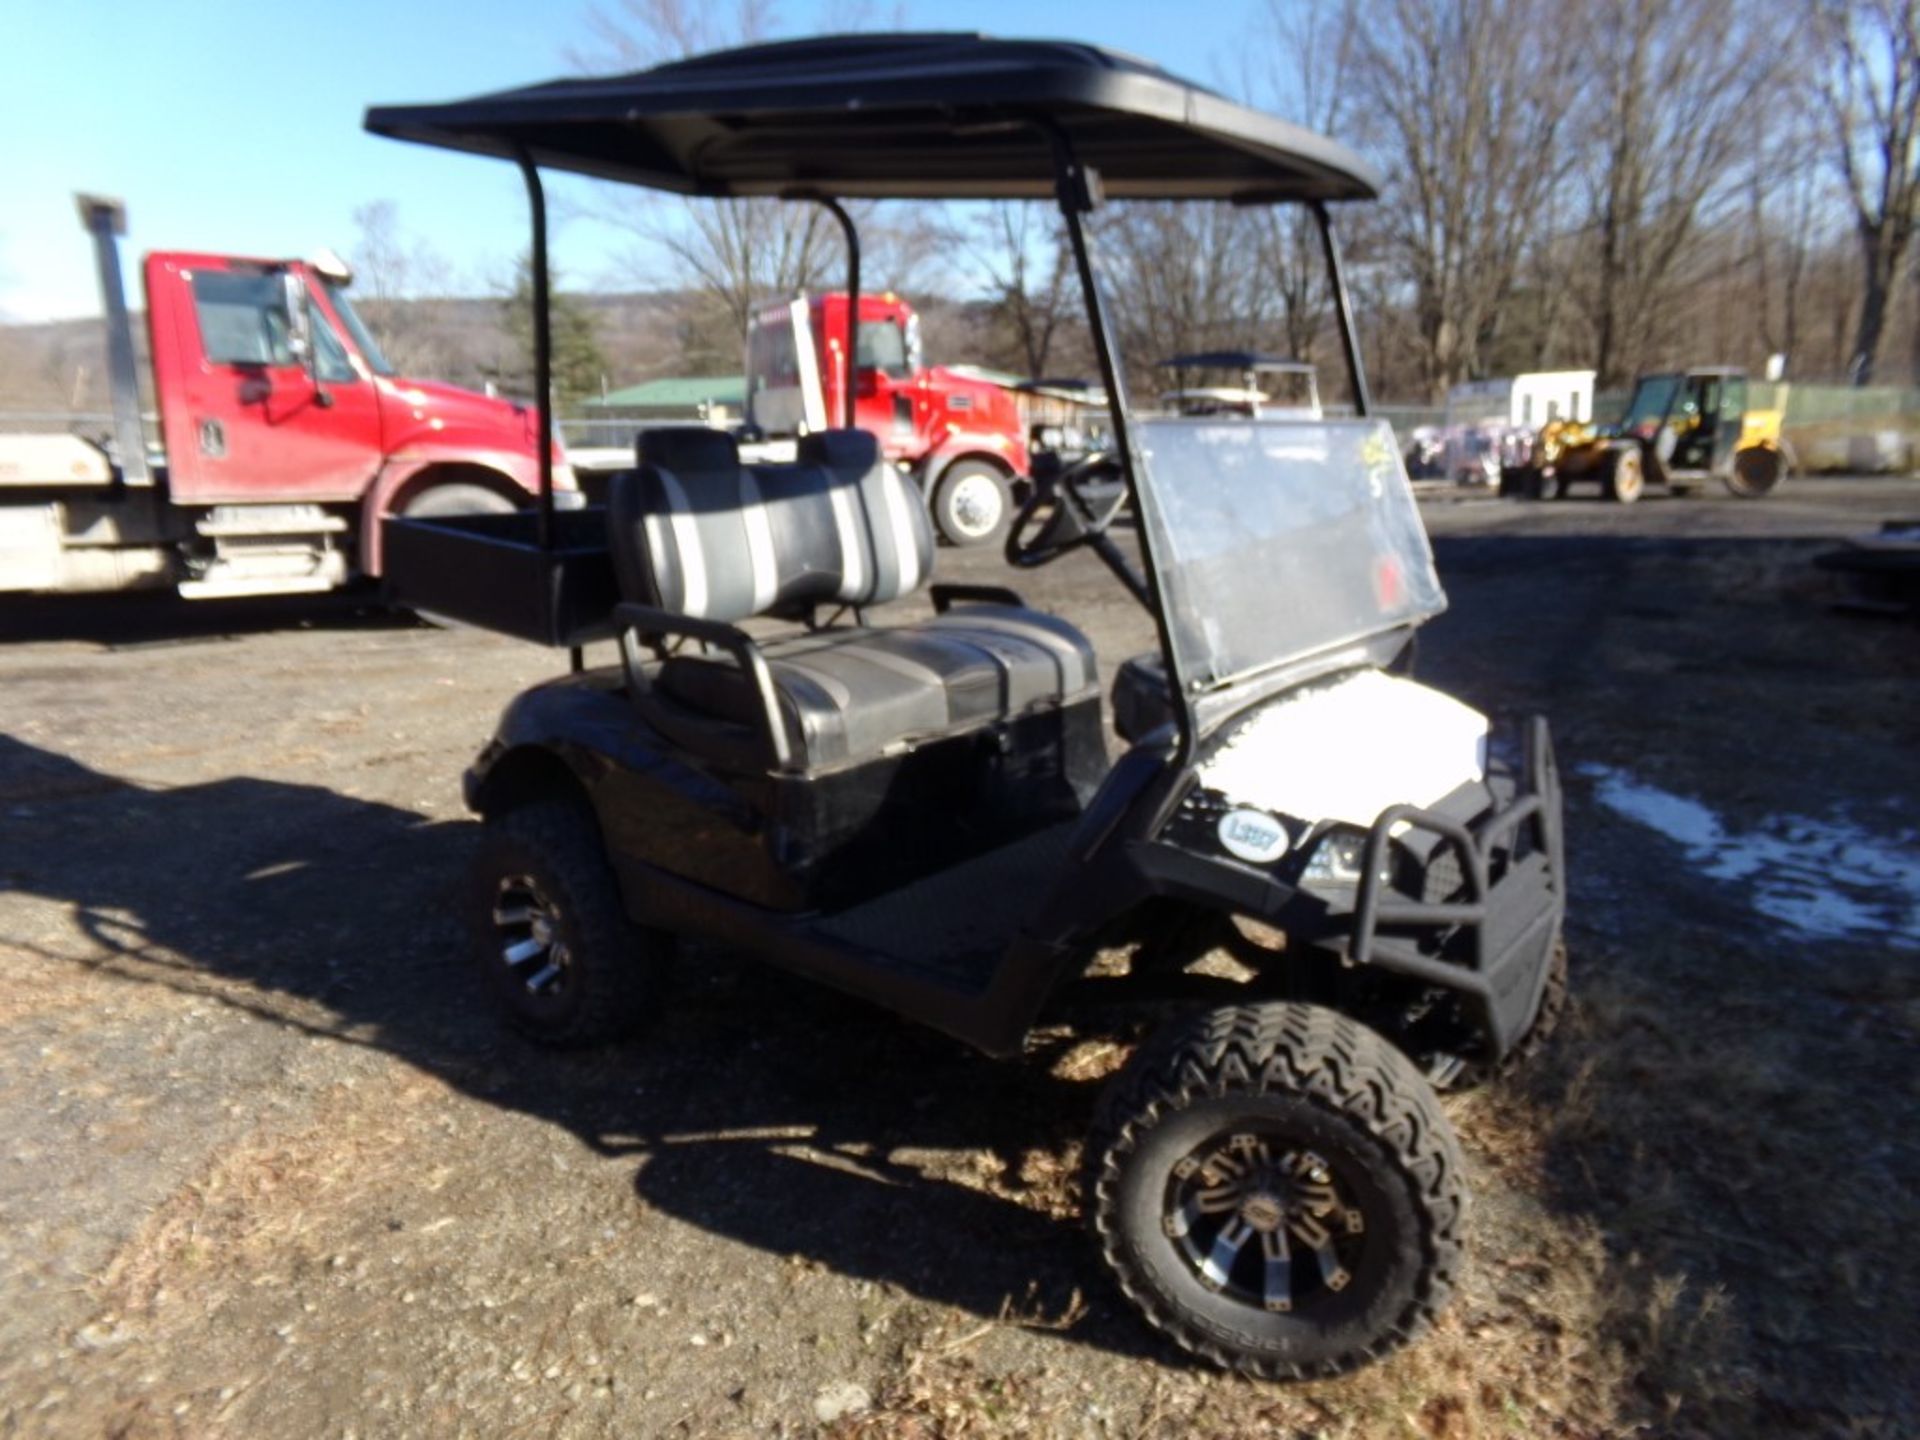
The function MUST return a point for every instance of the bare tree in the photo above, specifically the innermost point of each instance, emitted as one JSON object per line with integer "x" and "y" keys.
{"x": 1021, "y": 254}
{"x": 1307, "y": 76}
{"x": 1184, "y": 277}
{"x": 1871, "y": 95}
{"x": 739, "y": 252}
{"x": 1672, "y": 116}
{"x": 1464, "y": 102}
{"x": 393, "y": 274}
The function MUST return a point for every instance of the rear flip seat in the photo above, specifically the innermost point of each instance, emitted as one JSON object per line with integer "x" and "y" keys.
{"x": 697, "y": 533}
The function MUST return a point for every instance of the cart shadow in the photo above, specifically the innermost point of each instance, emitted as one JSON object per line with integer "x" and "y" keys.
{"x": 758, "y": 1108}
{"x": 142, "y": 618}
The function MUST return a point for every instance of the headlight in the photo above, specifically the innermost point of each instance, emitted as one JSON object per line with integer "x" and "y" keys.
{"x": 1336, "y": 859}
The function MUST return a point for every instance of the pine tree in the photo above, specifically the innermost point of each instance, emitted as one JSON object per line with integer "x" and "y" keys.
{"x": 578, "y": 362}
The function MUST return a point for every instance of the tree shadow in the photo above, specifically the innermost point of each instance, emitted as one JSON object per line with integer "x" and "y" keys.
{"x": 759, "y": 1108}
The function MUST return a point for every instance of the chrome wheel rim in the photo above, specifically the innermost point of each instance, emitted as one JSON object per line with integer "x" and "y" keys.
{"x": 526, "y": 927}
{"x": 1264, "y": 1222}
{"x": 975, "y": 505}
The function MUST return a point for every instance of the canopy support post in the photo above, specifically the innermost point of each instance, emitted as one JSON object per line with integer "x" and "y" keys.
{"x": 542, "y": 342}
{"x": 847, "y": 228}
{"x": 1349, "y": 338}
{"x": 1077, "y": 191}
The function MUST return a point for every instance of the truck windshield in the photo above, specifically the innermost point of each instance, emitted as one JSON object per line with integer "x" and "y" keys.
{"x": 1278, "y": 539}
{"x": 362, "y": 337}
{"x": 883, "y": 346}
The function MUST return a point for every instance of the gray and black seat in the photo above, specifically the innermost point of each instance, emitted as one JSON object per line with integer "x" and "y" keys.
{"x": 701, "y": 542}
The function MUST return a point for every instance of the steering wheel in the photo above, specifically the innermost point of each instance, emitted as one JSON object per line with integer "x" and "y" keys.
{"x": 1068, "y": 515}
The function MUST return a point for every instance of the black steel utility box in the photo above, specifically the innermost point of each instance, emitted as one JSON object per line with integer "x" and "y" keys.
{"x": 490, "y": 571}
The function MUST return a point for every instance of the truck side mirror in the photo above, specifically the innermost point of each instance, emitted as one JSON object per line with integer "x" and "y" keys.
{"x": 293, "y": 299}
{"x": 293, "y": 294}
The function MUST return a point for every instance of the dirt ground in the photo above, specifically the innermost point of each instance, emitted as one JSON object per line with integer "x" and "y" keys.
{"x": 268, "y": 1167}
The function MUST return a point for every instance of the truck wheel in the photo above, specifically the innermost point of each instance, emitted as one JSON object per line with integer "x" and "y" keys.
{"x": 1275, "y": 1187}
{"x": 1756, "y": 471}
{"x": 455, "y": 499}
{"x": 552, "y": 941}
{"x": 1626, "y": 477}
{"x": 972, "y": 503}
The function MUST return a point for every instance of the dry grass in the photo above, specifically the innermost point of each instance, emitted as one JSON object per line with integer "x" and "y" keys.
{"x": 269, "y": 1203}
{"x": 1695, "y": 1222}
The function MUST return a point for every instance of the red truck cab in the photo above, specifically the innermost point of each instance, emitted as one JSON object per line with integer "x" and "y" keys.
{"x": 260, "y": 404}
{"x": 962, "y": 437}
{"x": 285, "y": 440}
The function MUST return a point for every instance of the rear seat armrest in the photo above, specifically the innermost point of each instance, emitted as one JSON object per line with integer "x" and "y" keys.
{"x": 944, "y": 596}
{"x": 640, "y": 620}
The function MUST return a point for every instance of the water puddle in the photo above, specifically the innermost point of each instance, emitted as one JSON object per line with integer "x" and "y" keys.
{"x": 1828, "y": 879}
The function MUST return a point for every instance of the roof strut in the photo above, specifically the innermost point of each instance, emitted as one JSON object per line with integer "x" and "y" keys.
{"x": 1078, "y": 192}
{"x": 1349, "y": 340}
{"x": 542, "y": 343}
{"x": 852, "y": 233}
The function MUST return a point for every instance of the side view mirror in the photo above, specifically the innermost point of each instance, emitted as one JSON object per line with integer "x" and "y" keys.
{"x": 293, "y": 293}
{"x": 293, "y": 299}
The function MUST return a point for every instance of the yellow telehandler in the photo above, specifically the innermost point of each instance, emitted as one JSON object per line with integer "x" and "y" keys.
{"x": 1680, "y": 430}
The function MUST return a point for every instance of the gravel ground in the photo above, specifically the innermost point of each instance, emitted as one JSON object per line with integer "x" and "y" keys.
{"x": 268, "y": 1167}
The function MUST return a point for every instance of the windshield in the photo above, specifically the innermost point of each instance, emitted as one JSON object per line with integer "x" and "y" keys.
{"x": 1277, "y": 539}
{"x": 356, "y": 327}
{"x": 883, "y": 347}
{"x": 1652, "y": 402}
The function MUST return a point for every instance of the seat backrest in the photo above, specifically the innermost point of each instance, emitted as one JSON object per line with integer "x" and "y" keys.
{"x": 694, "y": 531}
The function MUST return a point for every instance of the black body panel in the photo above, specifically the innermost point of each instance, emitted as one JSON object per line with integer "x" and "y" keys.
{"x": 792, "y": 842}
{"x": 490, "y": 571}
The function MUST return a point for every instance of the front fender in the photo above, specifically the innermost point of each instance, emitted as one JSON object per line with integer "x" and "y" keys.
{"x": 513, "y": 473}
{"x": 971, "y": 445}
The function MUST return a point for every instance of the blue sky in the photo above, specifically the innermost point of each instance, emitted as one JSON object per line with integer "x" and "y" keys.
{"x": 230, "y": 126}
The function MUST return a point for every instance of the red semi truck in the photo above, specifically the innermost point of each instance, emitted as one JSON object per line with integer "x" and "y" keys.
{"x": 961, "y": 437}
{"x": 285, "y": 438}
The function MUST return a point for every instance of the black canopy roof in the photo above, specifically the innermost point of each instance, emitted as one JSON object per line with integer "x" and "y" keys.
{"x": 1234, "y": 360}
{"x": 912, "y": 116}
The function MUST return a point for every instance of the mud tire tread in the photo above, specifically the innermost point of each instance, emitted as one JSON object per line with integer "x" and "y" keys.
{"x": 621, "y": 967}
{"x": 1310, "y": 1053}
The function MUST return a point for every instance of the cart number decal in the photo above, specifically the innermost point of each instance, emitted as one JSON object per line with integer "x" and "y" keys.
{"x": 1253, "y": 835}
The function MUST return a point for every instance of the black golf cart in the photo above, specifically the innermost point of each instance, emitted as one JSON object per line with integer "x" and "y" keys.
{"x": 921, "y": 811}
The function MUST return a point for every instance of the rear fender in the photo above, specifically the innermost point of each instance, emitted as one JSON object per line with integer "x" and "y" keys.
{"x": 580, "y": 739}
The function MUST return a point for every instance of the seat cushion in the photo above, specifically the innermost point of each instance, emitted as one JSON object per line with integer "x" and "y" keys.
{"x": 849, "y": 695}
{"x": 694, "y": 531}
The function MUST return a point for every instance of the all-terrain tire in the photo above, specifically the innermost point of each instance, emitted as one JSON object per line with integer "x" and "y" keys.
{"x": 1307, "y": 1078}
{"x": 972, "y": 503}
{"x": 547, "y": 856}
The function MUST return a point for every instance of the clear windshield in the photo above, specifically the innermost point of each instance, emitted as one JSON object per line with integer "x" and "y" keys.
{"x": 1277, "y": 539}
{"x": 362, "y": 337}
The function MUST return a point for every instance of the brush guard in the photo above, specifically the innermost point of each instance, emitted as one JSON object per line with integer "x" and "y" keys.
{"x": 1507, "y": 915}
